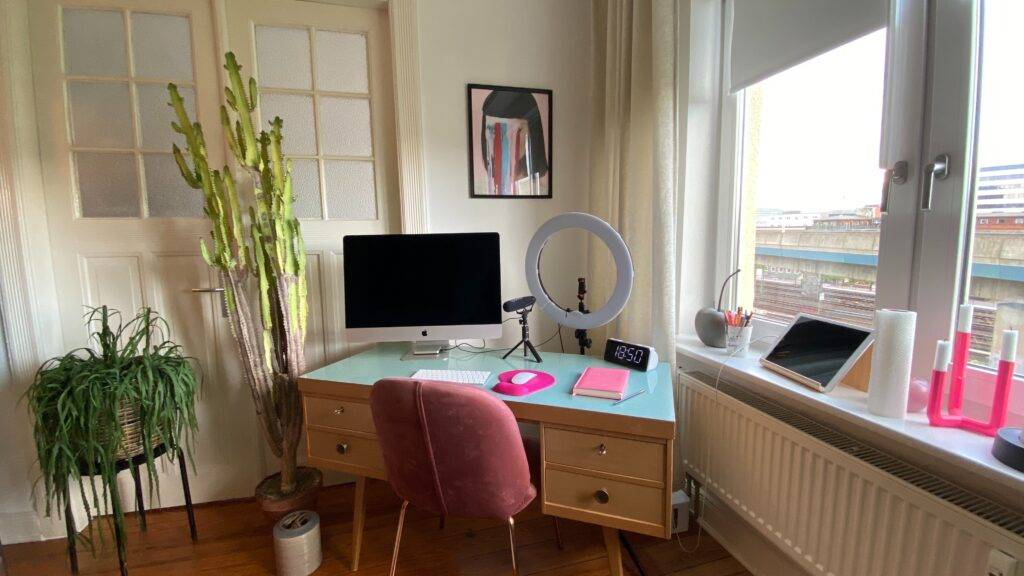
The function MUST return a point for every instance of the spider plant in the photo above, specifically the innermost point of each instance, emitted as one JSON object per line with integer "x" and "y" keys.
{"x": 76, "y": 399}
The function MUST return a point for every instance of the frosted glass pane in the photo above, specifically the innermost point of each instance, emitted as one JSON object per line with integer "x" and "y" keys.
{"x": 297, "y": 112}
{"x": 100, "y": 115}
{"x": 345, "y": 127}
{"x": 155, "y": 116}
{"x": 283, "y": 57}
{"x": 166, "y": 191}
{"x": 108, "y": 184}
{"x": 351, "y": 193}
{"x": 162, "y": 46}
{"x": 306, "y": 188}
{"x": 341, "y": 62}
{"x": 94, "y": 43}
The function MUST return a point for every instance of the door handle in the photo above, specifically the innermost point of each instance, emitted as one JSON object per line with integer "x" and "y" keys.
{"x": 215, "y": 290}
{"x": 896, "y": 174}
{"x": 937, "y": 170}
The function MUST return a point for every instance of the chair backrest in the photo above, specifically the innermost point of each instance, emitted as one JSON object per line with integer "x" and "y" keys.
{"x": 451, "y": 449}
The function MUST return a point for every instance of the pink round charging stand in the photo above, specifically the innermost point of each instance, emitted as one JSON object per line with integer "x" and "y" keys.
{"x": 540, "y": 381}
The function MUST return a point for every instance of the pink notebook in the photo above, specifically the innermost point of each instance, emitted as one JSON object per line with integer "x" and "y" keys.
{"x": 602, "y": 383}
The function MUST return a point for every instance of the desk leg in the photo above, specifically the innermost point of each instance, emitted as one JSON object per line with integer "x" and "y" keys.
{"x": 358, "y": 520}
{"x": 611, "y": 542}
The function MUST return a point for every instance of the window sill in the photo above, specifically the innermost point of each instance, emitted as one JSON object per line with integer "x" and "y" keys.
{"x": 846, "y": 409}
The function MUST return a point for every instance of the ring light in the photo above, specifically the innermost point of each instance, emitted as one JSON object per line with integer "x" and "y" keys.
{"x": 623, "y": 266}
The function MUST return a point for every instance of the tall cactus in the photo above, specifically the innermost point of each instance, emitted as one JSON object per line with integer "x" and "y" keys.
{"x": 266, "y": 247}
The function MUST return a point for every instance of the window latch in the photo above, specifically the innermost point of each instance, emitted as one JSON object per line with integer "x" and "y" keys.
{"x": 896, "y": 174}
{"x": 937, "y": 170}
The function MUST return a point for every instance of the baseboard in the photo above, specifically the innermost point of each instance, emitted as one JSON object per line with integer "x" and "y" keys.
{"x": 745, "y": 543}
{"x": 29, "y": 526}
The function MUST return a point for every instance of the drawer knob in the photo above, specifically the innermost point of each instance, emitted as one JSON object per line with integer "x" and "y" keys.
{"x": 342, "y": 448}
{"x": 339, "y": 410}
{"x": 602, "y": 496}
{"x": 602, "y": 450}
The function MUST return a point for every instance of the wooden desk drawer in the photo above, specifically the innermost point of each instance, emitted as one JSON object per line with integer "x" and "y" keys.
{"x": 345, "y": 450}
{"x": 624, "y": 456}
{"x": 338, "y": 413}
{"x": 606, "y": 502}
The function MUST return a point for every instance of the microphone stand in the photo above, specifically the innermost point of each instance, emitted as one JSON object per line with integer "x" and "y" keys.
{"x": 525, "y": 340}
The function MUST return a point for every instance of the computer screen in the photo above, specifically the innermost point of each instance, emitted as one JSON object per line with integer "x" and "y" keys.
{"x": 422, "y": 280}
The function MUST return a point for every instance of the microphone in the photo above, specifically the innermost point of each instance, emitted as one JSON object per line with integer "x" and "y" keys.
{"x": 518, "y": 303}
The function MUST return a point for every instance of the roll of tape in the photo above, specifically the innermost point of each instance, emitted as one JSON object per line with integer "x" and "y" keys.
{"x": 297, "y": 543}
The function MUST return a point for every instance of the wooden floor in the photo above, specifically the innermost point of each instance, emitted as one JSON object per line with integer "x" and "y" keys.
{"x": 235, "y": 539}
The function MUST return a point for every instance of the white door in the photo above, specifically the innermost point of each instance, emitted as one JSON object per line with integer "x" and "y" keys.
{"x": 325, "y": 70}
{"x": 124, "y": 227}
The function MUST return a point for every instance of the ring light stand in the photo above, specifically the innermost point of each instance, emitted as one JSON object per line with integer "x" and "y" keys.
{"x": 581, "y": 319}
{"x": 623, "y": 265}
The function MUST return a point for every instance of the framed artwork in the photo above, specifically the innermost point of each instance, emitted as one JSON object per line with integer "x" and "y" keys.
{"x": 509, "y": 141}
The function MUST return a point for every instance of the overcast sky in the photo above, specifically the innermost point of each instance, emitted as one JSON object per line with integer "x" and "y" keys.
{"x": 822, "y": 119}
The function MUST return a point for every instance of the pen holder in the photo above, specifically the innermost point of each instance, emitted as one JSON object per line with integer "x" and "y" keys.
{"x": 737, "y": 337}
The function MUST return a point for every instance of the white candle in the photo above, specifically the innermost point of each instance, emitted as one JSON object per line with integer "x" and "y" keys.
{"x": 1009, "y": 352}
{"x": 943, "y": 354}
{"x": 965, "y": 319}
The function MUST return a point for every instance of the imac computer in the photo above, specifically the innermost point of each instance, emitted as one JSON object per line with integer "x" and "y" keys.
{"x": 427, "y": 289}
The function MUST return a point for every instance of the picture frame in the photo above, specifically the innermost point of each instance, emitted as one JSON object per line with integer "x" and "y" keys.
{"x": 509, "y": 137}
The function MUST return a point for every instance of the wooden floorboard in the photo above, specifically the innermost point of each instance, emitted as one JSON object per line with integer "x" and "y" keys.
{"x": 235, "y": 539}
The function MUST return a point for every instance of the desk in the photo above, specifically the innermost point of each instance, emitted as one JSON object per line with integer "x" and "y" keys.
{"x": 589, "y": 446}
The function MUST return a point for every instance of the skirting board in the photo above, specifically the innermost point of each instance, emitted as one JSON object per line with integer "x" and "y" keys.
{"x": 28, "y": 526}
{"x": 746, "y": 544}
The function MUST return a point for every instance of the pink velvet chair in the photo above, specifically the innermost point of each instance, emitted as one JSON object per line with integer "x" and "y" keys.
{"x": 451, "y": 450}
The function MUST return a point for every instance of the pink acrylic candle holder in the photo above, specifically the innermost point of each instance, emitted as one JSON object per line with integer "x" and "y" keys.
{"x": 945, "y": 354}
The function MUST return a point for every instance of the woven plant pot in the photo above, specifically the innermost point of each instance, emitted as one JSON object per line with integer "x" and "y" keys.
{"x": 131, "y": 433}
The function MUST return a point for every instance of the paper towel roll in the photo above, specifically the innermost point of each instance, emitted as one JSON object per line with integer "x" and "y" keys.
{"x": 297, "y": 544}
{"x": 890, "y": 362}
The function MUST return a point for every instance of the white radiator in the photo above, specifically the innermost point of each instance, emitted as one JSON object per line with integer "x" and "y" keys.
{"x": 835, "y": 505}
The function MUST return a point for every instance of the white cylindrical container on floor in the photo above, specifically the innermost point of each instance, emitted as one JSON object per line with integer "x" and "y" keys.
{"x": 890, "y": 362}
{"x": 297, "y": 543}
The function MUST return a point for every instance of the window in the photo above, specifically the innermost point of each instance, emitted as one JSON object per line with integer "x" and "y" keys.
{"x": 318, "y": 82}
{"x": 117, "y": 64}
{"x": 809, "y": 229}
{"x": 801, "y": 187}
{"x": 994, "y": 276}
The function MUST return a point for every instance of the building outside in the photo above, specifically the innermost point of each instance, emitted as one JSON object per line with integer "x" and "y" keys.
{"x": 827, "y": 265}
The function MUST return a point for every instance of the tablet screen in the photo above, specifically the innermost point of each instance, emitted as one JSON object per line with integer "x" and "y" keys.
{"x": 817, "y": 349}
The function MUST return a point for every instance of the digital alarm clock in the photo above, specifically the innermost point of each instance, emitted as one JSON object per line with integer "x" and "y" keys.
{"x": 629, "y": 355}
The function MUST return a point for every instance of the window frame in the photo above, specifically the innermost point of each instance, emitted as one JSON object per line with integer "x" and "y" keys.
{"x": 901, "y": 128}
{"x": 932, "y": 110}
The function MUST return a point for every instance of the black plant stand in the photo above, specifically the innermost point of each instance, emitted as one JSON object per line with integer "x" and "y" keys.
{"x": 119, "y": 466}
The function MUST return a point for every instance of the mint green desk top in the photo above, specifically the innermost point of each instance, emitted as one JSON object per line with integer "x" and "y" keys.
{"x": 385, "y": 360}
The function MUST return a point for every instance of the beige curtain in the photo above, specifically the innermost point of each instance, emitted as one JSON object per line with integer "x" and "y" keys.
{"x": 632, "y": 164}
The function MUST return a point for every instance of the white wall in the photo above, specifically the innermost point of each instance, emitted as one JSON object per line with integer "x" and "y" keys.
{"x": 526, "y": 43}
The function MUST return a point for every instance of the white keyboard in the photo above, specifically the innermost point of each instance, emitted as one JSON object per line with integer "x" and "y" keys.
{"x": 478, "y": 377}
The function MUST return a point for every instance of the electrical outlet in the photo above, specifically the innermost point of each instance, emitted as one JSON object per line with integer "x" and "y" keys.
{"x": 680, "y": 512}
{"x": 1001, "y": 564}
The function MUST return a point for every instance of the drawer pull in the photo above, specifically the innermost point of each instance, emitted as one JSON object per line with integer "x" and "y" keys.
{"x": 339, "y": 410}
{"x": 602, "y": 450}
{"x": 342, "y": 448}
{"x": 602, "y": 496}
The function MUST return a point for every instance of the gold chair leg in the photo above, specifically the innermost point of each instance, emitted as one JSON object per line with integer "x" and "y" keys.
{"x": 558, "y": 534}
{"x": 512, "y": 541}
{"x": 398, "y": 538}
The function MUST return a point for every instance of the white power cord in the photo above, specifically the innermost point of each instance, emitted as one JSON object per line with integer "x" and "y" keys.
{"x": 707, "y": 463}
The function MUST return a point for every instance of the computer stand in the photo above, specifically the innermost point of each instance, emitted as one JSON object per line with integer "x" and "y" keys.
{"x": 427, "y": 350}
{"x": 525, "y": 340}
{"x": 428, "y": 347}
